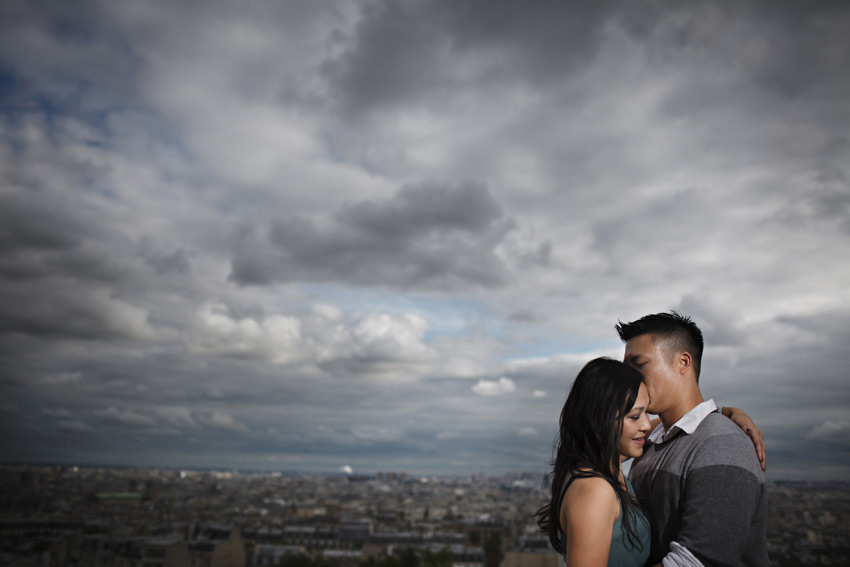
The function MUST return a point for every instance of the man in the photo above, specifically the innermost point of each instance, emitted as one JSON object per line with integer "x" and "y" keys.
{"x": 698, "y": 478}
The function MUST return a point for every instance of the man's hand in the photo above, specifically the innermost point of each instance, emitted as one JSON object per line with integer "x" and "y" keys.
{"x": 740, "y": 418}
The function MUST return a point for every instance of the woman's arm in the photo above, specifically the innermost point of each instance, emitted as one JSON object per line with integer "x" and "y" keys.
{"x": 740, "y": 418}
{"x": 588, "y": 512}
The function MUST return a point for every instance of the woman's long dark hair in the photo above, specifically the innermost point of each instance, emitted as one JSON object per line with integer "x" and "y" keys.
{"x": 591, "y": 424}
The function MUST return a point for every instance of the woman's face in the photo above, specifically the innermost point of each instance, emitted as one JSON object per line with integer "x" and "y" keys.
{"x": 635, "y": 427}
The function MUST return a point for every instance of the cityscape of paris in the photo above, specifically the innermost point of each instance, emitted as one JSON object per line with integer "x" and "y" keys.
{"x": 66, "y": 516}
{"x": 306, "y": 283}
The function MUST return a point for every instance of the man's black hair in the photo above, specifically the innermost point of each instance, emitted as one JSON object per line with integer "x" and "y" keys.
{"x": 684, "y": 333}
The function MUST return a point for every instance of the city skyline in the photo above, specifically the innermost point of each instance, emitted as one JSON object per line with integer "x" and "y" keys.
{"x": 386, "y": 236}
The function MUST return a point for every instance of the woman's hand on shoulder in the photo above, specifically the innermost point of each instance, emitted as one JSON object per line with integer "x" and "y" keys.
{"x": 588, "y": 512}
{"x": 740, "y": 418}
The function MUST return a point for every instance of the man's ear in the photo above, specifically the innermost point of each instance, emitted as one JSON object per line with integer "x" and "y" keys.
{"x": 685, "y": 362}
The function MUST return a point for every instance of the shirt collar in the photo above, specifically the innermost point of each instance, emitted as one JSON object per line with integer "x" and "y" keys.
{"x": 687, "y": 423}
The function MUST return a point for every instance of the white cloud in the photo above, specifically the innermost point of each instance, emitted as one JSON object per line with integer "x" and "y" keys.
{"x": 179, "y": 417}
{"x": 57, "y": 412}
{"x": 126, "y": 417}
{"x": 276, "y": 339}
{"x": 563, "y": 365}
{"x": 448, "y": 435}
{"x": 458, "y": 367}
{"x": 527, "y": 432}
{"x": 394, "y": 338}
{"x": 376, "y": 433}
{"x": 494, "y": 388}
{"x": 325, "y": 336}
{"x": 62, "y": 378}
{"x": 221, "y": 420}
{"x": 830, "y": 430}
{"x": 120, "y": 316}
{"x": 74, "y": 425}
{"x": 327, "y": 312}
{"x": 539, "y": 394}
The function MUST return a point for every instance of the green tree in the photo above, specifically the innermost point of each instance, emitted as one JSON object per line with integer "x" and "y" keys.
{"x": 492, "y": 550}
{"x": 409, "y": 558}
{"x": 304, "y": 560}
{"x": 443, "y": 558}
{"x": 388, "y": 561}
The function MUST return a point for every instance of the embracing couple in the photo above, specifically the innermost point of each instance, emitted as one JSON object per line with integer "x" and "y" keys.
{"x": 695, "y": 493}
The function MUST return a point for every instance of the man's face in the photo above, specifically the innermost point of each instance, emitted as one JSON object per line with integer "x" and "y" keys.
{"x": 647, "y": 356}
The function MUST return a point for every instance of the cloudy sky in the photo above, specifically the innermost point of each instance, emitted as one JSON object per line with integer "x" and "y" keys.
{"x": 386, "y": 235}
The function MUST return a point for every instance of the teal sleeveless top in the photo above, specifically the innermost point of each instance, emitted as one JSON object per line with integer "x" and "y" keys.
{"x": 621, "y": 553}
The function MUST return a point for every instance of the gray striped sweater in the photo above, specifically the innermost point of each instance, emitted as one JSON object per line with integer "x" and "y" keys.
{"x": 705, "y": 491}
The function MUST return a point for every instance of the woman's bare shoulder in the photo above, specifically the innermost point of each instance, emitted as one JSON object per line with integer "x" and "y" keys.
{"x": 591, "y": 486}
{"x": 591, "y": 496}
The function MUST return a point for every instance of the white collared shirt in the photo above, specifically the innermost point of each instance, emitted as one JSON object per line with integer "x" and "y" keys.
{"x": 687, "y": 423}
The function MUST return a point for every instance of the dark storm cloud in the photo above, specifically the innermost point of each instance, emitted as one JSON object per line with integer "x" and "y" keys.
{"x": 409, "y": 53}
{"x": 802, "y": 54}
{"x": 164, "y": 262}
{"x": 826, "y": 200}
{"x": 404, "y": 53}
{"x": 427, "y": 236}
{"x": 823, "y": 340}
{"x": 36, "y": 221}
{"x": 54, "y": 312}
{"x": 49, "y": 224}
{"x": 523, "y": 316}
{"x": 63, "y": 58}
{"x": 807, "y": 369}
{"x": 632, "y": 158}
{"x": 57, "y": 270}
{"x": 720, "y": 325}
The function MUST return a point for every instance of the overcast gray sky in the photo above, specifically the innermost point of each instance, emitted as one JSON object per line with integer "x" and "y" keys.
{"x": 386, "y": 235}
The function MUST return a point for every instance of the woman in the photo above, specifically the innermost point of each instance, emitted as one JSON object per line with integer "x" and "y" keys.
{"x": 593, "y": 518}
